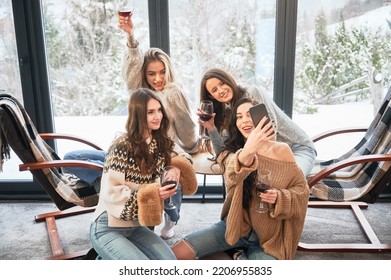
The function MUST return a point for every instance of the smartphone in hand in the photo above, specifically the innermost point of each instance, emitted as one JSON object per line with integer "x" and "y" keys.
{"x": 257, "y": 112}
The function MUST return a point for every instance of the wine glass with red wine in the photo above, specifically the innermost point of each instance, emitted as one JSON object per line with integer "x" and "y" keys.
{"x": 262, "y": 185}
{"x": 170, "y": 177}
{"x": 125, "y": 7}
{"x": 205, "y": 113}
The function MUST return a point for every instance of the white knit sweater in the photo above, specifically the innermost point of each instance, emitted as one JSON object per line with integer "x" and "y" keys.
{"x": 182, "y": 126}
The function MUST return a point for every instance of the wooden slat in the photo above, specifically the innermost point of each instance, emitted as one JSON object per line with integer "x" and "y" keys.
{"x": 70, "y": 256}
{"x": 374, "y": 244}
{"x": 54, "y": 236}
{"x": 333, "y": 204}
{"x": 365, "y": 225}
{"x": 66, "y": 213}
{"x": 345, "y": 247}
{"x": 55, "y": 242}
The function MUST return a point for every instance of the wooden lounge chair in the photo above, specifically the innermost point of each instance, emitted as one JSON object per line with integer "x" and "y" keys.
{"x": 71, "y": 196}
{"x": 356, "y": 179}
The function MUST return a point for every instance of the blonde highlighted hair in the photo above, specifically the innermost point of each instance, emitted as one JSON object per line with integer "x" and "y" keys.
{"x": 156, "y": 54}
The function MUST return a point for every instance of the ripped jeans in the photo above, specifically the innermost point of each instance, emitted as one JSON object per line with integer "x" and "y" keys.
{"x": 211, "y": 240}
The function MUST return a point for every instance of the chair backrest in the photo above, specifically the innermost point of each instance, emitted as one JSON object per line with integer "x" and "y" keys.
{"x": 18, "y": 131}
{"x": 358, "y": 182}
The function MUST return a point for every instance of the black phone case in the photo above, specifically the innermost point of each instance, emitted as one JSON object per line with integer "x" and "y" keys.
{"x": 257, "y": 112}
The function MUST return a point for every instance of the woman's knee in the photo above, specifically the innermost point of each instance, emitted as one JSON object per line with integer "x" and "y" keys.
{"x": 183, "y": 250}
{"x": 305, "y": 158}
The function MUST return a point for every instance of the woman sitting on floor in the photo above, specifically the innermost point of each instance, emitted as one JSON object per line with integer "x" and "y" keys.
{"x": 271, "y": 235}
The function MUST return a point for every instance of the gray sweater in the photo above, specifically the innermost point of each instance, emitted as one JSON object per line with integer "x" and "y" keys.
{"x": 287, "y": 130}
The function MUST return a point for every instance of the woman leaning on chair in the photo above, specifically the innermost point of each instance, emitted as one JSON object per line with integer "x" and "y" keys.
{"x": 271, "y": 235}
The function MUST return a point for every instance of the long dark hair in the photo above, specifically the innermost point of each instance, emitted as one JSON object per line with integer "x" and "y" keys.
{"x": 235, "y": 142}
{"x": 135, "y": 127}
{"x": 223, "y": 113}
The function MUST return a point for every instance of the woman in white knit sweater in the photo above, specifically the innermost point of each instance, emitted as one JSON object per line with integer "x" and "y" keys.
{"x": 271, "y": 235}
{"x": 132, "y": 169}
{"x": 153, "y": 69}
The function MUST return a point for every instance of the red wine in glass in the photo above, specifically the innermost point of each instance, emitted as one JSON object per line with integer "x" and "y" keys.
{"x": 125, "y": 7}
{"x": 262, "y": 187}
{"x": 169, "y": 182}
{"x": 124, "y": 12}
{"x": 205, "y": 117}
{"x": 170, "y": 176}
{"x": 205, "y": 114}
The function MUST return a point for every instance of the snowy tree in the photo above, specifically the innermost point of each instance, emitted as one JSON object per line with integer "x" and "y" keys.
{"x": 9, "y": 74}
{"x": 335, "y": 60}
{"x": 207, "y": 34}
{"x": 86, "y": 60}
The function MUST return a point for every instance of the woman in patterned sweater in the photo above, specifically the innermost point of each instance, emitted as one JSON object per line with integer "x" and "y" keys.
{"x": 134, "y": 163}
{"x": 154, "y": 70}
{"x": 271, "y": 235}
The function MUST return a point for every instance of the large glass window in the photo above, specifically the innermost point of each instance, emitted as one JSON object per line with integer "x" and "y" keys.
{"x": 85, "y": 47}
{"x": 9, "y": 75}
{"x": 343, "y": 66}
{"x": 10, "y": 82}
{"x": 236, "y": 35}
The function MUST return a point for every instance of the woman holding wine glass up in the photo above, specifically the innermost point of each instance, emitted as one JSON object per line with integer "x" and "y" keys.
{"x": 153, "y": 69}
{"x": 271, "y": 234}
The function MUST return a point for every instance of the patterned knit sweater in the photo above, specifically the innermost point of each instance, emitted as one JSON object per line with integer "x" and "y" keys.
{"x": 279, "y": 231}
{"x": 182, "y": 126}
{"x": 121, "y": 180}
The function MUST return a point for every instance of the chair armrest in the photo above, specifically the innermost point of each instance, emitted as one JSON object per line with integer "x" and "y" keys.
{"x": 59, "y": 163}
{"x": 46, "y": 136}
{"x": 338, "y": 131}
{"x": 344, "y": 163}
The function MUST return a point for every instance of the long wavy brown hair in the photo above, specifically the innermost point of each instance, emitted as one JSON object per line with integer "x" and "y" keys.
{"x": 223, "y": 114}
{"x": 136, "y": 125}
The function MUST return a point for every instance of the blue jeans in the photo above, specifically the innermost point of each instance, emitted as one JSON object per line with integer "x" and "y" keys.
{"x": 127, "y": 243}
{"x": 89, "y": 176}
{"x": 177, "y": 201}
{"x": 86, "y": 174}
{"x": 211, "y": 240}
{"x": 305, "y": 157}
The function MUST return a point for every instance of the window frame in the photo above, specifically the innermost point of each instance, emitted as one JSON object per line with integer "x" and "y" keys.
{"x": 31, "y": 48}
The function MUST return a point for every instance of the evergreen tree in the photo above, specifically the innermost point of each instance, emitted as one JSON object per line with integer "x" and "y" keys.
{"x": 335, "y": 60}
{"x": 87, "y": 79}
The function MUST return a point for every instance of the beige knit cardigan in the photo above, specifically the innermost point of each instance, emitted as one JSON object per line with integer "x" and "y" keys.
{"x": 279, "y": 231}
{"x": 183, "y": 129}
